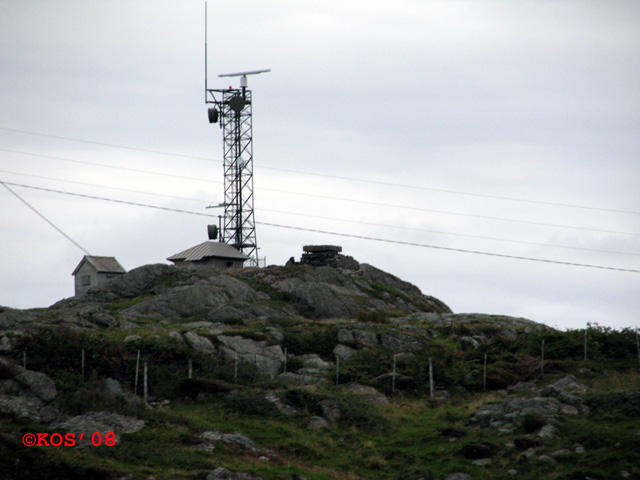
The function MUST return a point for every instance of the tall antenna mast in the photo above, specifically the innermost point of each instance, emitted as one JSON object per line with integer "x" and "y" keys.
{"x": 232, "y": 108}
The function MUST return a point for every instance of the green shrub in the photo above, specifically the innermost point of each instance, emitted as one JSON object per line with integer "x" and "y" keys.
{"x": 251, "y": 403}
{"x": 532, "y": 422}
{"x": 621, "y": 404}
{"x": 478, "y": 450}
{"x": 320, "y": 341}
{"x": 355, "y": 412}
{"x": 372, "y": 316}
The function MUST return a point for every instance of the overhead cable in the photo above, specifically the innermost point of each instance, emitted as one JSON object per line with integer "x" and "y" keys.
{"x": 462, "y": 250}
{"x": 103, "y": 165}
{"x": 361, "y": 237}
{"x": 359, "y": 222}
{"x": 337, "y": 177}
{"x": 59, "y": 230}
{"x": 342, "y": 199}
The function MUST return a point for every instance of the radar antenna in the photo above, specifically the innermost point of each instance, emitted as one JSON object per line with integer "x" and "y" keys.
{"x": 232, "y": 108}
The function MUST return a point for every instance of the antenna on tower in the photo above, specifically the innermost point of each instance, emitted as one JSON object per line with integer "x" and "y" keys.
{"x": 206, "y": 68}
{"x": 232, "y": 108}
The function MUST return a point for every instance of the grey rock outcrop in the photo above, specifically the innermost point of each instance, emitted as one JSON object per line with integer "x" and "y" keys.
{"x": 280, "y": 406}
{"x": 195, "y": 300}
{"x": 513, "y": 409}
{"x": 267, "y": 358}
{"x": 317, "y": 423}
{"x": 199, "y": 343}
{"x": 367, "y": 393}
{"x": 222, "y": 473}
{"x": 26, "y": 394}
{"x": 238, "y": 439}
{"x": 103, "y": 422}
{"x": 343, "y": 352}
{"x": 459, "y": 476}
{"x": 397, "y": 342}
{"x": 549, "y": 402}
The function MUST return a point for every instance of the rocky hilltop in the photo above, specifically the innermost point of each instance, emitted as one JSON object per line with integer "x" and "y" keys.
{"x": 303, "y": 371}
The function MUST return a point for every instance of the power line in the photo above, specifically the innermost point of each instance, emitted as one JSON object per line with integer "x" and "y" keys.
{"x": 44, "y": 218}
{"x": 104, "y": 144}
{"x": 453, "y": 192}
{"x": 129, "y": 190}
{"x": 342, "y": 199}
{"x": 451, "y": 249}
{"x": 337, "y": 177}
{"x": 359, "y": 222}
{"x": 95, "y": 197}
{"x": 103, "y": 165}
{"x": 444, "y": 212}
{"x": 361, "y": 237}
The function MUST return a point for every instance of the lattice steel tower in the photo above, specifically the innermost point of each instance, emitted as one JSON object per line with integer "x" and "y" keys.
{"x": 232, "y": 109}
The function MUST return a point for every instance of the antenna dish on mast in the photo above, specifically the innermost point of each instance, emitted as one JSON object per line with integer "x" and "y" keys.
{"x": 243, "y": 75}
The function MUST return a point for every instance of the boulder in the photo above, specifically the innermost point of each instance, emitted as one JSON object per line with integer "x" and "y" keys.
{"x": 28, "y": 408}
{"x": 459, "y": 476}
{"x": 513, "y": 409}
{"x": 5, "y": 344}
{"x": 302, "y": 377}
{"x": 232, "y": 438}
{"x": 222, "y": 473}
{"x": 397, "y": 342}
{"x": 330, "y": 410}
{"x": 364, "y": 338}
{"x": 26, "y": 394}
{"x": 317, "y": 423}
{"x": 343, "y": 352}
{"x": 199, "y": 343}
{"x": 103, "y": 422}
{"x": 311, "y": 360}
{"x": 367, "y": 393}
{"x": 112, "y": 387}
{"x": 571, "y": 384}
{"x": 37, "y": 384}
{"x": 281, "y": 407}
{"x": 268, "y": 359}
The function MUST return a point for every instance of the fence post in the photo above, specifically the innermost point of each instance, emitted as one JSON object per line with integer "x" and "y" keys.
{"x": 145, "y": 382}
{"x": 235, "y": 368}
{"x": 337, "y": 370}
{"x": 135, "y": 387}
{"x": 24, "y": 359}
{"x": 393, "y": 378}
{"x": 285, "y": 359}
{"x": 585, "y": 342}
{"x": 430, "y": 379}
{"x": 190, "y": 369}
{"x": 484, "y": 374}
{"x": 542, "y": 358}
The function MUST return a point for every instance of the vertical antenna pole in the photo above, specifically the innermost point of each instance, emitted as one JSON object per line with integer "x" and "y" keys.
{"x": 206, "y": 83}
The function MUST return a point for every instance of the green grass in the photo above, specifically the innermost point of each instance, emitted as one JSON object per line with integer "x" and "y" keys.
{"x": 410, "y": 438}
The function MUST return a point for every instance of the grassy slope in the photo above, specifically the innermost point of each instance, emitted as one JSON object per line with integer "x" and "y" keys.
{"x": 410, "y": 438}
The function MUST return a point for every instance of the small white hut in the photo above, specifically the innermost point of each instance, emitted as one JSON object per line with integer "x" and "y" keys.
{"x": 92, "y": 271}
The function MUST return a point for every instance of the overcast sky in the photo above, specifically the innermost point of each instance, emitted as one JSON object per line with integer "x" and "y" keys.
{"x": 509, "y": 128}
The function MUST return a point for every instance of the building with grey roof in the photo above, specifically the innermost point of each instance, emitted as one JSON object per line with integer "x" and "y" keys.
{"x": 218, "y": 254}
{"x": 92, "y": 271}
